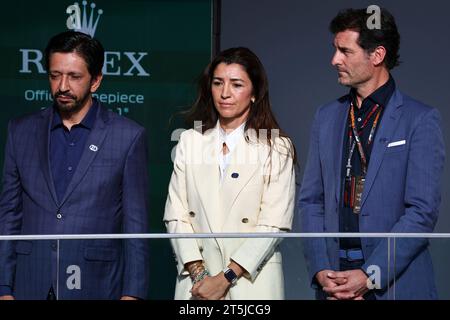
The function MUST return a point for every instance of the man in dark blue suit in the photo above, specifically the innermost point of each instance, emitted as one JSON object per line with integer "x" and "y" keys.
{"x": 74, "y": 168}
{"x": 374, "y": 165}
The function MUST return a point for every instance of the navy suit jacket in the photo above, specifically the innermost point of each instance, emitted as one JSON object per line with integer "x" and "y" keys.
{"x": 107, "y": 194}
{"x": 401, "y": 194}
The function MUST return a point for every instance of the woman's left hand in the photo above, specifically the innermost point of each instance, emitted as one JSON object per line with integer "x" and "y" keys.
{"x": 211, "y": 288}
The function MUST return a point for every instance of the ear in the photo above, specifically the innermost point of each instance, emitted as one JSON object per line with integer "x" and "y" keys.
{"x": 95, "y": 82}
{"x": 378, "y": 55}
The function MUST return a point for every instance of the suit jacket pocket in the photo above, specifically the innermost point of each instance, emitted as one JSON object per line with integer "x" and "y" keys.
{"x": 396, "y": 149}
{"x": 24, "y": 247}
{"x": 100, "y": 254}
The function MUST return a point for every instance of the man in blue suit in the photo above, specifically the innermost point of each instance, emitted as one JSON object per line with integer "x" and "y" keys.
{"x": 374, "y": 165}
{"x": 74, "y": 168}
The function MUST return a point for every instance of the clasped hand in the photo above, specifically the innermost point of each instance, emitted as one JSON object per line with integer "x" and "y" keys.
{"x": 343, "y": 285}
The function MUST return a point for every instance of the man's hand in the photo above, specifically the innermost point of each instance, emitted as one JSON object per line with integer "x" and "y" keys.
{"x": 128, "y": 298}
{"x": 7, "y": 297}
{"x": 354, "y": 287}
{"x": 327, "y": 278}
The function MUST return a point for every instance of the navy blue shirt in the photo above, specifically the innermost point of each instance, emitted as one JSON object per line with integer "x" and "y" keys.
{"x": 67, "y": 146}
{"x": 349, "y": 221}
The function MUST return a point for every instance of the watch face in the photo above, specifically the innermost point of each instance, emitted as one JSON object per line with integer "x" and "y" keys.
{"x": 230, "y": 276}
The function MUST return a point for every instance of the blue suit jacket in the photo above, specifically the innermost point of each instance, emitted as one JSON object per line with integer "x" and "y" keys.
{"x": 107, "y": 194}
{"x": 401, "y": 194}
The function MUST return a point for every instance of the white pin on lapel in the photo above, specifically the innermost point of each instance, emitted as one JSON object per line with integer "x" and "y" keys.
{"x": 396, "y": 143}
{"x": 93, "y": 147}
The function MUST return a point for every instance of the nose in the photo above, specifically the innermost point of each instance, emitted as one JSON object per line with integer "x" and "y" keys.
{"x": 225, "y": 91}
{"x": 64, "y": 84}
{"x": 337, "y": 59}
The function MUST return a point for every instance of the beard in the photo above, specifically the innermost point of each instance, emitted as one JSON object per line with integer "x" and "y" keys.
{"x": 71, "y": 104}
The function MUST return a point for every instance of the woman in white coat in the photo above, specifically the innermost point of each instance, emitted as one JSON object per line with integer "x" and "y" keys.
{"x": 233, "y": 172}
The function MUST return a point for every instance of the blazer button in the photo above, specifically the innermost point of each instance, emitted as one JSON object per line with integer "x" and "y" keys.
{"x": 192, "y": 214}
{"x": 244, "y": 220}
{"x": 58, "y": 215}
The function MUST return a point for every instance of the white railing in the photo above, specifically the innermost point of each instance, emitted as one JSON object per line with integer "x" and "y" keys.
{"x": 223, "y": 235}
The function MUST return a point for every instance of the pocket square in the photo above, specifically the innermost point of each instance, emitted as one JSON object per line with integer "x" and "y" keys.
{"x": 396, "y": 143}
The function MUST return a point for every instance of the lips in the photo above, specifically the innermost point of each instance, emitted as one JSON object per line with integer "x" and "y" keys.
{"x": 64, "y": 97}
{"x": 225, "y": 105}
{"x": 64, "y": 100}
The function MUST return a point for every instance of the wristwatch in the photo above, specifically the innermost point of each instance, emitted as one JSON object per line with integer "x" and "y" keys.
{"x": 230, "y": 276}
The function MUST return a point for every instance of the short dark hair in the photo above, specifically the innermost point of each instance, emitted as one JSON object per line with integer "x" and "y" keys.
{"x": 90, "y": 49}
{"x": 369, "y": 39}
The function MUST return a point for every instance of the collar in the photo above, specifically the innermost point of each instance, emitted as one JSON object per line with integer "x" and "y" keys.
{"x": 232, "y": 138}
{"x": 380, "y": 96}
{"x": 87, "y": 122}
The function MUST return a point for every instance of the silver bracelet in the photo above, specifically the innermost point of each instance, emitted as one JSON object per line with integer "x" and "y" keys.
{"x": 200, "y": 276}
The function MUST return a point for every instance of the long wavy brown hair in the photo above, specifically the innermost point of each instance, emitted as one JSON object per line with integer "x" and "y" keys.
{"x": 260, "y": 115}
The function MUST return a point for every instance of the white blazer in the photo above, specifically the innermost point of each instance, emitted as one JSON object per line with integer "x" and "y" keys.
{"x": 256, "y": 195}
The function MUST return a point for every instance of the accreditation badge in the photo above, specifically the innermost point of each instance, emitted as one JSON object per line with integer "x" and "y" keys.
{"x": 359, "y": 188}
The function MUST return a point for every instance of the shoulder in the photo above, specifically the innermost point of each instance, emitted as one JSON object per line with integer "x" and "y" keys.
{"x": 24, "y": 126}
{"x": 280, "y": 157}
{"x": 31, "y": 118}
{"x": 121, "y": 123}
{"x": 414, "y": 106}
{"x": 416, "y": 112}
{"x": 333, "y": 106}
{"x": 283, "y": 146}
{"x": 188, "y": 136}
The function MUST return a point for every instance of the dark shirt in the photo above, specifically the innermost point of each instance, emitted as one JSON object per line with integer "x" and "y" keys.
{"x": 349, "y": 221}
{"x": 66, "y": 147}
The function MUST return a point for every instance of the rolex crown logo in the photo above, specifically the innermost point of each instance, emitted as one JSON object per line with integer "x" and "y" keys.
{"x": 81, "y": 22}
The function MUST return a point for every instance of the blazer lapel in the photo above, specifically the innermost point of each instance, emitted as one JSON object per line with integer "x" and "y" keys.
{"x": 339, "y": 130}
{"x": 238, "y": 173}
{"x": 387, "y": 126}
{"x": 206, "y": 177}
{"x": 43, "y": 143}
{"x": 93, "y": 144}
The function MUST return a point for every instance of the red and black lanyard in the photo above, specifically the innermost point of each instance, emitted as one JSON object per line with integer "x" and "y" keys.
{"x": 354, "y": 137}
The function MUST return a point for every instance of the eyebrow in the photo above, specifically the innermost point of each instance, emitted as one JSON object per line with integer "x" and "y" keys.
{"x": 341, "y": 48}
{"x": 232, "y": 79}
{"x": 71, "y": 73}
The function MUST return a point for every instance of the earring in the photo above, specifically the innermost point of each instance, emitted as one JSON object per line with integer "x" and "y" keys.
{"x": 252, "y": 100}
